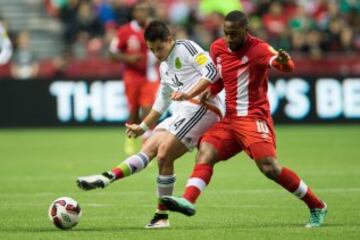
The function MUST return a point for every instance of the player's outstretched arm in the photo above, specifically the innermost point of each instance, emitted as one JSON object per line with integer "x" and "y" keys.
{"x": 283, "y": 62}
{"x": 195, "y": 91}
{"x": 135, "y": 130}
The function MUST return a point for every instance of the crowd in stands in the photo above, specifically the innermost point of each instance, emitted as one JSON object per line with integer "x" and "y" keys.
{"x": 311, "y": 27}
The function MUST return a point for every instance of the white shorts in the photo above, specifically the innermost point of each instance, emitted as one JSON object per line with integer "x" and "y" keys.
{"x": 189, "y": 124}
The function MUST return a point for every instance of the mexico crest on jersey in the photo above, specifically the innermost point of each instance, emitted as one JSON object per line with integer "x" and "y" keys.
{"x": 178, "y": 63}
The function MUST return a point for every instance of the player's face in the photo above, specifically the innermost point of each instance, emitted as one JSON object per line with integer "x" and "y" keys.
{"x": 234, "y": 35}
{"x": 141, "y": 13}
{"x": 161, "y": 49}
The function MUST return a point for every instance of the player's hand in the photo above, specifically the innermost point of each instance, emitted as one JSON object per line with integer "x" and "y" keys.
{"x": 133, "y": 130}
{"x": 282, "y": 57}
{"x": 205, "y": 95}
{"x": 179, "y": 96}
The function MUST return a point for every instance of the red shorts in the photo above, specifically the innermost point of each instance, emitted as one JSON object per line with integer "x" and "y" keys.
{"x": 232, "y": 135}
{"x": 140, "y": 93}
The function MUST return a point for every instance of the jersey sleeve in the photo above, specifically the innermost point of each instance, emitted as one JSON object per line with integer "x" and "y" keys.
{"x": 200, "y": 60}
{"x": 264, "y": 55}
{"x": 216, "y": 87}
{"x": 213, "y": 52}
{"x": 162, "y": 101}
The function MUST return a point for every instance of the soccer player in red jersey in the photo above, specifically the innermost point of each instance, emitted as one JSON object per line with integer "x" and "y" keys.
{"x": 243, "y": 62}
{"x": 140, "y": 74}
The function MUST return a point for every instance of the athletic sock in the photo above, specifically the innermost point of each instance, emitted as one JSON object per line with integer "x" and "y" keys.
{"x": 293, "y": 183}
{"x": 131, "y": 165}
{"x": 197, "y": 182}
{"x": 165, "y": 187}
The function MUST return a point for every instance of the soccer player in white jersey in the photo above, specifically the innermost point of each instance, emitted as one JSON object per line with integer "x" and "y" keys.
{"x": 5, "y": 46}
{"x": 184, "y": 67}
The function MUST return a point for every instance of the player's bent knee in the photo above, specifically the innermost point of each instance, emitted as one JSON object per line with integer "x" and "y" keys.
{"x": 269, "y": 166}
{"x": 163, "y": 156}
{"x": 207, "y": 154}
{"x": 165, "y": 164}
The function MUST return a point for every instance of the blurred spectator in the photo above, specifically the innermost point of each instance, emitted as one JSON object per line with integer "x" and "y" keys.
{"x": 314, "y": 28}
{"x": 5, "y": 45}
{"x": 24, "y": 64}
{"x": 301, "y": 21}
{"x": 122, "y": 12}
{"x": 53, "y": 6}
{"x": 275, "y": 22}
{"x": 87, "y": 21}
{"x": 314, "y": 44}
{"x": 105, "y": 11}
{"x": 179, "y": 12}
{"x": 284, "y": 23}
{"x": 346, "y": 40}
{"x": 68, "y": 15}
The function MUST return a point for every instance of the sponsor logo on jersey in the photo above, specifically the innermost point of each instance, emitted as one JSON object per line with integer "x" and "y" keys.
{"x": 176, "y": 81}
{"x": 244, "y": 59}
{"x": 178, "y": 63}
{"x": 133, "y": 43}
{"x": 201, "y": 59}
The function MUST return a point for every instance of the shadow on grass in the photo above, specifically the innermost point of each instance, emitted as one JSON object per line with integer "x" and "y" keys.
{"x": 174, "y": 228}
{"x": 77, "y": 229}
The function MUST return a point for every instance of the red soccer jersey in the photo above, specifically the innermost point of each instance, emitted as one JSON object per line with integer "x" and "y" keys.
{"x": 130, "y": 40}
{"x": 244, "y": 76}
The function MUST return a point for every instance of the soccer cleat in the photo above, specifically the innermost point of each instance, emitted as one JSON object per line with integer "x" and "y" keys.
{"x": 317, "y": 216}
{"x": 95, "y": 181}
{"x": 159, "y": 221}
{"x": 178, "y": 204}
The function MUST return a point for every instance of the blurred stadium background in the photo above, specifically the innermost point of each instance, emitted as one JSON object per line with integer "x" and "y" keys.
{"x": 62, "y": 46}
{"x": 61, "y": 75}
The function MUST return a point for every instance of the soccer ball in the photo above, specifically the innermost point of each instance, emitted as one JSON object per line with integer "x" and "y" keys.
{"x": 65, "y": 213}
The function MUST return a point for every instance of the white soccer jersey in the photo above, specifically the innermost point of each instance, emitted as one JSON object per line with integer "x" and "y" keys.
{"x": 186, "y": 64}
{"x": 5, "y": 46}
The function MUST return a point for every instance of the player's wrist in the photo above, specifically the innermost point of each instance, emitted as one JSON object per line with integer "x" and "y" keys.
{"x": 144, "y": 126}
{"x": 186, "y": 96}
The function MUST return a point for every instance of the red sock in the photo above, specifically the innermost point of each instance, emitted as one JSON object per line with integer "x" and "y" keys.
{"x": 161, "y": 208}
{"x": 292, "y": 182}
{"x": 197, "y": 182}
{"x": 118, "y": 173}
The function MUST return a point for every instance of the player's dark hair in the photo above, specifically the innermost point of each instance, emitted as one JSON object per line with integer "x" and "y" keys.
{"x": 237, "y": 16}
{"x": 157, "y": 30}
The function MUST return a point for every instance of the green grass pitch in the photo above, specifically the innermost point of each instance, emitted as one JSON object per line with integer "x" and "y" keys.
{"x": 40, "y": 165}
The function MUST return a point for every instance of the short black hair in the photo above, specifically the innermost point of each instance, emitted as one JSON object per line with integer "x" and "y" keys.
{"x": 157, "y": 30}
{"x": 237, "y": 16}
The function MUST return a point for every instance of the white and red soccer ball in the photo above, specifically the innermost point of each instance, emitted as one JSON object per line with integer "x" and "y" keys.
{"x": 65, "y": 213}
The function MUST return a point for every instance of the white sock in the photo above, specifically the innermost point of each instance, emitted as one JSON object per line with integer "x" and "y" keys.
{"x": 165, "y": 187}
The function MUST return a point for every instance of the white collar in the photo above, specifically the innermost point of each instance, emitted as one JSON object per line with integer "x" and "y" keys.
{"x": 135, "y": 25}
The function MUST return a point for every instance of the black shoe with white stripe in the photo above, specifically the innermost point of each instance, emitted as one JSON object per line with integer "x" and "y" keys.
{"x": 95, "y": 181}
{"x": 159, "y": 221}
